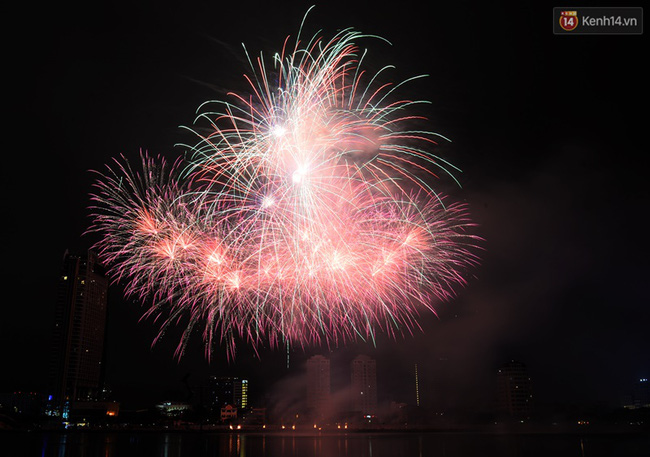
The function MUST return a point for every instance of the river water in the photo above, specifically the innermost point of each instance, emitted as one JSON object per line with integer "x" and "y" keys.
{"x": 414, "y": 444}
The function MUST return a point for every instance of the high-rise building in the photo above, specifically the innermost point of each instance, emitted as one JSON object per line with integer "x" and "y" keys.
{"x": 364, "y": 385}
{"x": 642, "y": 393}
{"x": 318, "y": 385}
{"x": 227, "y": 390}
{"x": 514, "y": 390}
{"x": 639, "y": 397}
{"x": 79, "y": 331}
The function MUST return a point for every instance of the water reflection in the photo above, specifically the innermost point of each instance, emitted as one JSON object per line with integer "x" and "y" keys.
{"x": 62, "y": 445}
{"x": 171, "y": 445}
{"x": 179, "y": 444}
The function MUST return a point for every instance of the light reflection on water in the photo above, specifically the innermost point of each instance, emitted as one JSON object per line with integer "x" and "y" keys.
{"x": 178, "y": 444}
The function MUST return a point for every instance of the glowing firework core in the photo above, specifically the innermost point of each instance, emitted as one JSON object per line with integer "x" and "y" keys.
{"x": 304, "y": 215}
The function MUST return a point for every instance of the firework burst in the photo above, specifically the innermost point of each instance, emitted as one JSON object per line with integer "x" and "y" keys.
{"x": 304, "y": 215}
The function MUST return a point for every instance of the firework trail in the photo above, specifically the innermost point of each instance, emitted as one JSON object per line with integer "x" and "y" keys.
{"x": 305, "y": 214}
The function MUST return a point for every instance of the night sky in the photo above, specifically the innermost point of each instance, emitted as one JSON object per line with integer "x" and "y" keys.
{"x": 550, "y": 132}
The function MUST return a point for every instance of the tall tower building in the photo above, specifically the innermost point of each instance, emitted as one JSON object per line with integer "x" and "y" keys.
{"x": 417, "y": 387}
{"x": 639, "y": 396}
{"x": 227, "y": 390}
{"x": 79, "y": 330}
{"x": 514, "y": 390}
{"x": 642, "y": 393}
{"x": 364, "y": 385}
{"x": 318, "y": 385}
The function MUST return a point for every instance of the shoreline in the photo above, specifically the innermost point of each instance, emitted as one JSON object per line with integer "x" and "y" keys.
{"x": 623, "y": 429}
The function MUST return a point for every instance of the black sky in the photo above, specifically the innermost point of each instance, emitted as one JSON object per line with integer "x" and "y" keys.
{"x": 548, "y": 130}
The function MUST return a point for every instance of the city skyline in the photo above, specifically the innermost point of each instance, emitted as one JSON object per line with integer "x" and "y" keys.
{"x": 548, "y": 139}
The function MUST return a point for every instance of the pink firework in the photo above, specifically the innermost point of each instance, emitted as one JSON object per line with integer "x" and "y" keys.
{"x": 304, "y": 216}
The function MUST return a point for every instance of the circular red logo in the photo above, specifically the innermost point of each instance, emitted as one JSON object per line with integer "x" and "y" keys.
{"x": 569, "y": 20}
